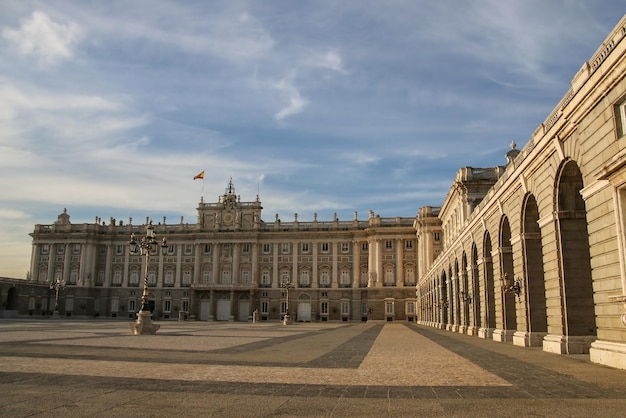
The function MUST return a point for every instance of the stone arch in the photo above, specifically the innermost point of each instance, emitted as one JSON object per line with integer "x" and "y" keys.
{"x": 577, "y": 303}
{"x": 475, "y": 288}
{"x": 488, "y": 293}
{"x": 509, "y": 315}
{"x": 534, "y": 286}
{"x": 443, "y": 299}
{"x": 465, "y": 293}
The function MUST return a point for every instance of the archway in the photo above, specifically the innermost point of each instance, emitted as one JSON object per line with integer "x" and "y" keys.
{"x": 488, "y": 291}
{"x": 578, "y": 313}
{"x": 534, "y": 284}
{"x": 508, "y": 309}
{"x": 475, "y": 297}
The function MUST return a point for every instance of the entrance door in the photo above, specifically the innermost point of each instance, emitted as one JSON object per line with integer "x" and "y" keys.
{"x": 205, "y": 304}
{"x": 223, "y": 309}
{"x": 244, "y": 309}
{"x": 304, "y": 312}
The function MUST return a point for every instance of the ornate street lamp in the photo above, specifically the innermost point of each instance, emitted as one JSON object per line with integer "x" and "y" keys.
{"x": 287, "y": 286}
{"x": 57, "y": 284}
{"x": 146, "y": 247}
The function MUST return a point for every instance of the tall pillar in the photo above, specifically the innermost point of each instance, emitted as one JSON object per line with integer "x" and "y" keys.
{"x": 334, "y": 283}
{"x": 399, "y": 263}
{"x": 179, "y": 265}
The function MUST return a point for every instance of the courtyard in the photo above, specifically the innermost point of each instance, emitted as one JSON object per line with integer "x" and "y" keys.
{"x": 73, "y": 368}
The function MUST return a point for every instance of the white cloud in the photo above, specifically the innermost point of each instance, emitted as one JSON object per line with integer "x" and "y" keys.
{"x": 295, "y": 101}
{"x": 40, "y": 36}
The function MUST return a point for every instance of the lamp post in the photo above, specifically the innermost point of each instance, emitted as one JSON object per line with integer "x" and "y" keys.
{"x": 287, "y": 286}
{"x": 146, "y": 246}
{"x": 57, "y": 284}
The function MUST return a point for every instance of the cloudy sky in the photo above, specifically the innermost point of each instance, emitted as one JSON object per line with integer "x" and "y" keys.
{"x": 109, "y": 108}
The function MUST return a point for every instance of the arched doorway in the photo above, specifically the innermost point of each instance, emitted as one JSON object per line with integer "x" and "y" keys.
{"x": 488, "y": 291}
{"x": 244, "y": 308}
{"x": 534, "y": 287}
{"x": 304, "y": 308}
{"x": 577, "y": 321}
{"x": 508, "y": 326}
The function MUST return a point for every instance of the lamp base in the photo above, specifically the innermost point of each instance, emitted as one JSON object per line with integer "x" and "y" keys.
{"x": 144, "y": 324}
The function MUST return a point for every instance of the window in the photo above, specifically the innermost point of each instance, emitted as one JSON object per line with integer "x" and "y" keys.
{"x": 345, "y": 278}
{"x": 284, "y": 276}
{"x": 115, "y": 305}
{"x": 283, "y": 307}
{"x": 226, "y": 277}
{"x": 152, "y": 278}
{"x": 73, "y": 275}
{"x": 119, "y": 249}
{"x": 245, "y": 277}
{"x": 325, "y": 247}
{"x": 410, "y": 307}
{"x": 185, "y": 306}
{"x": 345, "y": 247}
{"x": 188, "y": 249}
{"x": 265, "y": 307}
{"x": 285, "y": 247}
{"x": 45, "y": 249}
{"x": 207, "y": 248}
{"x": 131, "y": 305}
{"x": 245, "y": 248}
{"x": 389, "y": 308}
{"x": 389, "y": 244}
{"x": 437, "y": 236}
{"x": 364, "y": 277}
{"x": 305, "y": 247}
{"x": 409, "y": 244}
{"x": 389, "y": 277}
{"x": 117, "y": 278}
{"x": 31, "y": 303}
{"x": 345, "y": 308}
{"x": 364, "y": 246}
{"x": 186, "y": 279}
{"x": 100, "y": 278}
{"x": 206, "y": 277}
{"x": 324, "y": 308}
{"x": 265, "y": 278}
{"x": 171, "y": 250}
{"x": 266, "y": 248}
{"x": 60, "y": 249}
{"x": 133, "y": 279}
{"x": 305, "y": 278}
{"x": 620, "y": 118}
{"x": 324, "y": 294}
{"x": 409, "y": 276}
{"x": 167, "y": 306}
{"x": 169, "y": 278}
{"x": 76, "y": 249}
{"x": 324, "y": 278}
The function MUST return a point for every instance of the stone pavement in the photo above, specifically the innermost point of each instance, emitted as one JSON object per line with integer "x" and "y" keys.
{"x": 97, "y": 368}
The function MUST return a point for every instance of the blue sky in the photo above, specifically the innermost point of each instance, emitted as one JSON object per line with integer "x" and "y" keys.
{"x": 110, "y": 108}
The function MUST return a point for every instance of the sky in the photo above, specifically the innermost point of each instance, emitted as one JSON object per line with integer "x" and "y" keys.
{"x": 110, "y": 108}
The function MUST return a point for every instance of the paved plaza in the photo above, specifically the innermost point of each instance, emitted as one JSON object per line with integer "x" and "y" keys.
{"x": 63, "y": 368}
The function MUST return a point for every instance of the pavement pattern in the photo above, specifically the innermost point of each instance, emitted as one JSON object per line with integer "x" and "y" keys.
{"x": 63, "y": 368}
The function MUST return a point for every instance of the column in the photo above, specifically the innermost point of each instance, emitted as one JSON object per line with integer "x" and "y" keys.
{"x": 197, "y": 264}
{"x": 235, "y": 269}
{"x": 356, "y": 265}
{"x": 255, "y": 264}
{"x": 51, "y": 252}
{"x": 275, "y": 265}
{"x": 215, "y": 271}
{"x": 34, "y": 263}
{"x": 334, "y": 283}
{"x": 126, "y": 263}
{"x": 399, "y": 262}
{"x": 314, "y": 281}
{"x": 107, "y": 266}
{"x": 179, "y": 264}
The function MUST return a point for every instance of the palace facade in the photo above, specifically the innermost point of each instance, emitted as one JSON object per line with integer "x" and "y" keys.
{"x": 534, "y": 252}
{"x": 231, "y": 264}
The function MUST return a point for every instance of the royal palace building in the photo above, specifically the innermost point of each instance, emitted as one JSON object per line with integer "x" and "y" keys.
{"x": 231, "y": 265}
{"x": 531, "y": 252}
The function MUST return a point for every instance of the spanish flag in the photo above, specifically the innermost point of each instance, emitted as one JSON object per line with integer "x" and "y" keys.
{"x": 200, "y": 175}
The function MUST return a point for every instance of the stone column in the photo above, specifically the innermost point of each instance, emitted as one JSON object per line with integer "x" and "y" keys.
{"x": 399, "y": 263}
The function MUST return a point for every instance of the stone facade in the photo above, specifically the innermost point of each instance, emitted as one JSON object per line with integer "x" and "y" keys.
{"x": 231, "y": 263}
{"x": 533, "y": 251}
